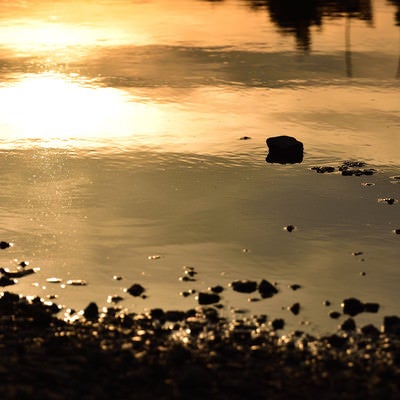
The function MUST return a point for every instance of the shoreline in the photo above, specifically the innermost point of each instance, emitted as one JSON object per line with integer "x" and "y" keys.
{"x": 186, "y": 354}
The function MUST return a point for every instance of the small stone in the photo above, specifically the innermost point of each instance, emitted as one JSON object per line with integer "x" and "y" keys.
{"x": 387, "y": 200}
{"x": 295, "y": 286}
{"x": 5, "y": 281}
{"x": 327, "y": 303}
{"x": 363, "y": 273}
{"x": 357, "y": 253}
{"x": 370, "y": 330}
{"x": 91, "y": 312}
{"x": 295, "y": 308}
{"x": 322, "y": 170}
{"x": 217, "y": 289}
{"x": 391, "y": 325}
{"x": 5, "y": 245}
{"x": 278, "y": 323}
{"x": 117, "y": 278}
{"x": 348, "y": 325}
{"x": 352, "y": 306}
{"x": 76, "y": 282}
{"x": 114, "y": 299}
{"x": 334, "y": 314}
{"x": 371, "y": 307}
{"x": 136, "y": 290}
{"x": 175, "y": 315}
{"x": 53, "y": 280}
{"x": 23, "y": 264}
{"x": 289, "y": 228}
{"x": 208, "y": 298}
{"x": 266, "y": 289}
{"x": 245, "y": 138}
{"x": 154, "y": 257}
{"x": 337, "y": 341}
{"x": 284, "y": 150}
{"x": 244, "y": 286}
{"x": 396, "y": 231}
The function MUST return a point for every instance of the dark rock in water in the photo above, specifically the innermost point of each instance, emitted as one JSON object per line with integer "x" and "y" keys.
{"x": 370, "y": 330}
{"x": 327, "y": 303}
{"x": 396, "y": 231}
{"x": 295, "y": 308}
{"x": 334, "y": 314}
{"x": 4, "y": 245}
{"x": 391, "y": 325}
{"x": 352, "y": 306}
{"x": 295, "y": 286}
{"x": 389, "y": 200}
{"x": 157, "y": 313}
{"x": 208, "y": 298}
{"x": 290, "y": 228}
{"x": 6, "y": 281}
{"x": 91, "y": 312}
{"x": 136, "y": 290}
{"x": 245, "y": 138}
{"x": 17, "y": 273}
{"x": 244, "y": 286}
{"x": 278, "y": 323}
{"x": 217, "y": 289}
{"x": 348, "y": 325}
{"x": 266, "y": 289}
{"x": 284, "y": 150}
{"x": 322, "y": 170}
{"x": 371, "y": 307}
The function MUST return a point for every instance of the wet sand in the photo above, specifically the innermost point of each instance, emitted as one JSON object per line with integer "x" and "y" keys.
{"x": 195, "y": 354}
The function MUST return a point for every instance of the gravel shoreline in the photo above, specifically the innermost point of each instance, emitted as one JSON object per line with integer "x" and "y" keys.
{"x": 195, "y": 354}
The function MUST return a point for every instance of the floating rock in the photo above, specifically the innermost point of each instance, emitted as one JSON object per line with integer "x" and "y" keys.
{"x": 352, "y": 306}
{"x": 136, "y": 290}
{"x": 284, "y": 150}
{"x": 348, "y": 325}
{"x": 91, "y": 312}
{"x": 208, "y": 298}
{"x": 322, "y": 170}
{"x": 244, "y": 286}
{"x": 6, "y": 281}
{"x": 266, "y": 289}
{"x": 278, "y": 323}
{"x": 295, "y": 308}
{"x": 391, "y": 325}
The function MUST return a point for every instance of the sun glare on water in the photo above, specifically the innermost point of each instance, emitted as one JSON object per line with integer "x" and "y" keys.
{"x": 53, "y": 107}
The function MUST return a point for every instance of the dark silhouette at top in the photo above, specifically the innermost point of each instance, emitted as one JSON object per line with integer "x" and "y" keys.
{"x": 396, "y": 3}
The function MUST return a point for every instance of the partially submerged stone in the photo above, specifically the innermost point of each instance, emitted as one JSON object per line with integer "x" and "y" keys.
{"x": 208, "y": 298}
{"x": 352, "y": 306}
{"x": 91, "y": 312}
{"x": 266, "y": 289}
{"x": 244, "y": 286}
{"x": 136, "y": 290}
{"x": 284, "y": 150}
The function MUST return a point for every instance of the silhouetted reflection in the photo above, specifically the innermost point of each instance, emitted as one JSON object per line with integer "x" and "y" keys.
{"x": 298, "y": 16}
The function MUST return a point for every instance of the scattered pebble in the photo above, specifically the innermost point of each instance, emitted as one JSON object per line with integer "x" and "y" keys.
{"x": 77, "y": 282}
{"x": 334, "y": 314}
{"x": 266, "y": 289}
{"x": 245, "y": 138}
{"x": 53, "y": 280}
{"x": 217, "y": 289}
{"x": 117, "y": 278}
{"x": 396, "y": 231}
{"x": 322, "y": 170}
{"x": 327, "y": 303}
{"x": 295, "y": 286}
{"x": 244, "y": 286}
{"x": 388, "y": 200}
{"x": 136, "y": 290}
{"x": 367, "y": 184}
{"x": 357, "y": 253}
{"x": 154, "y": 257}
{"x": 289, "y": 228}
{"x": 208, "y": 298}
{"x": 114, "y": 299}
{"x": 349, "y": 325}
{"x": 278, "y": 323}
{"x": 5, "y": 245}
{"x": 295, "y": 308}
{"x": 6, "y": 281}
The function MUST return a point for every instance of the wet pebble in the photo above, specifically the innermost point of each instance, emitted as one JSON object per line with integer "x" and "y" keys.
{"x": 278, "y": 323}
{"x": 204, "y": 298}
{"x": 114, "y": 299}
{"x": 266, "y": 289}
{"x": 334, "y": 314}
{"x": 352, "y": 306}
{"x": 396, "y": 231}
{"x": 322, "y": 170}
{"x": 371, "y": 307}
{"x": 295, "y": 286}
{"x": 327, "y": 303}
{"x": 245, "y": 138}
{"x": 295, "y": 308}
{"x": 76, "y": 282}
{"x": 5, "y": 245}
{"x": 217, "y": 289}
{"x": 391, "y": 325}
{"x": 370, "y": 330}
{"x": 387, "y": 200}
{"x": 53, "y": 280}
{"x": 348, "y": 325}
{"x": 289, "y": 228}
{"x": 91, "y": 312}
{"x": 357, "y": 253}
{"x": 154, "y": 257}
{"x": 136, "y": 290}
{"x": 5, "y": 281}
{"x": 244, "y": 286}
{"x": 117, "y": 278}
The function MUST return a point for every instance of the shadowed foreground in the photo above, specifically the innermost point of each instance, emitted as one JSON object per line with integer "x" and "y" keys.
{"x": 193, "y": 354}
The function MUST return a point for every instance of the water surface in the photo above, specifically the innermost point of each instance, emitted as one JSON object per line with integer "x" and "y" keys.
{"x": 120, "y": 127}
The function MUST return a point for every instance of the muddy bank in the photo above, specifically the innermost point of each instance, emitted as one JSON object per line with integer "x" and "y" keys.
{"x": 178, "y": 355}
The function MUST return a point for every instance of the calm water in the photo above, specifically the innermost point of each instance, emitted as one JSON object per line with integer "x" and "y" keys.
{"x": 119, "y": 139}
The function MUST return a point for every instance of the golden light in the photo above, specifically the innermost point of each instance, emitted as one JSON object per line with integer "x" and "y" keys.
{"x": 54, "y": 107}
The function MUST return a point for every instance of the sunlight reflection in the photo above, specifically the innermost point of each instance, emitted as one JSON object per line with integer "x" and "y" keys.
{"x": 54, "y": 107}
